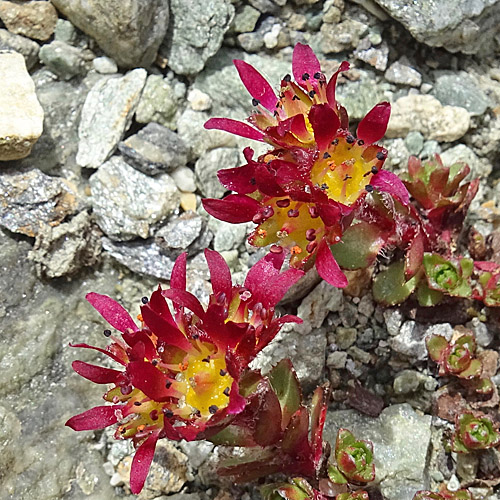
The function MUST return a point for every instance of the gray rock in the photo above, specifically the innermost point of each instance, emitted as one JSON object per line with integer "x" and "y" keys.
{"x": 406, "y": 382}
{"x": 343, "y": 36}
{"x": 129, "y": 31}
{"x": 64, "y": 249}
{"x": 345, "y": 337}
{"x": 28, "y": 48}
{"x": 206, "y": 170}
{"x": 198, "y": 100}
{"x": 374, "y": 56}
{"x": 32, "y": 19}
{"x": 425, "y": 114}
{"x": 316, "y": 306}
{"x": 410, "y": 341}
{"x": 402, "y": 74}
{"x": 141, "y": 257}
{"x": 127, "y": 203}
{"x": 179, "y": 233}
{"x": 105, "y": 65}
{"x": 430, "y": 149}
{"x": 245, "y": 19}
{"x": 184, "y": 179}
{"x": 264, "y": 6}
{"x": 480, "y": 167}
{"x": 461, "y": 90}
{"x": 196, "y": 33}
{"x": 21, "y": 120}
{"x": 457, "y": 25}
{"x": 66, "y": 32}
{"x": 227, "y": 236}
{"x": 250, "y": 42}
{"x": 31, "y": 199}
{"x": 400, "y": 440}
{"x": 414, "y": 142}
{"x": 154, "y": 149}
{"x": 484, "y": 336}
{"x": 157, "y": 103}
{"x": 336, "y": 360}
{"x": 106, "y": 114}
{"x": 64, "y": 60}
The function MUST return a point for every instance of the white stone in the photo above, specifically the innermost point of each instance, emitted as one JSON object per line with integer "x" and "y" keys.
{"x": 105, "y": 65}
{"x": 198, "y": 100}
{"x": 21, "y": 119}
{"x": 425, "y": 114}
{"x": 184, "y": 179}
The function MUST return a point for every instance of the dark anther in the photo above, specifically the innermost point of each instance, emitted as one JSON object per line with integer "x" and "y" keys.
{"x": 293, "y": 213}
{"x": 168, "y": 385}
{"x": 361, "y": 142}
{"x": 374, "y": 170}
{"x": 305, "y": 76}
{"x": 123, "y": 431}
{"x": 317, "y": 75}
{"x": 312, "y": 93}
{"x": 276, "y": 113}
{"x": 168, "y": 413}
{"x": 223, "y": 372}
{"x": 255, "y": 102}
{"x": 154, "y": 362}
{"x": 350, "y": 139}
{"x": 107, "y": 333}
{"x": 144, "y": 300}
{"x": 367, "y": 173}
{"x": 313, "y": 212}
{"x": 326, "y": 155}
{"x": 283, "y": 203}
{"x": 253, "y": 181}
{"x": 381, "y": 156}
{"x": 324, "y": 186}
{"x": 226, "y": 391}
{"x": 287, "y": 78}
{"x": 267, "y": 212}
{"x": 347, "y": 177}
{"x": 206, "y": 360}
{"x": 137, "y": 403}
{"x": 335, "y": 142}
{"x": 369, "y": 188}
{"x": 295, "y": 98}
{"x": 311, "y": 246}
{"x": 197, "y": 412}
{"x": 195, "y": 336}
{"x": 213, "y": 409}
{"x": 311, "y": 234}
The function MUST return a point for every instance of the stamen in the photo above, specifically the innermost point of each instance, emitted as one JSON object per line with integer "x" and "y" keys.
{"x": 350, "y": 139}
{"x": 369, "y": 188}
{"x": 144, "y": 300}
{"x": 295, "y": 98}
{"x": 317, "y": 75}
{"x": 305, "y": 76}
{"x": 168, "y": 384}
{"x": 255, "y": 102}
{"x": 168, "y": 413}
{"x": 381, "y": 155}
{"x": 107, "y": 333}
{"x": 311, "y": 234}
{"x": 293, "y": 213}
{"x": 374, "y": 170}
{"x": 326, "y": 155}
{"x": 213, "y": 409}
{"x": 226, "y": 392}
{"x": 287, "y": 78}
{"x": 283, "y": 203}
{"x": 296, "y": 250}
{"x": 223, "y": 372}
{"x": 311, "y": 246}
{"x": 137, "y": 403}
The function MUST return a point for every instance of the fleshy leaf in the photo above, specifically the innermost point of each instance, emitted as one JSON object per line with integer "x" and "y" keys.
{"x": 390, "y": 286}
{"x": 436, "y": 345}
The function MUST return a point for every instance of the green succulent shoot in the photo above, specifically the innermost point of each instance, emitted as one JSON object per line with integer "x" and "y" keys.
{"x": 354, "y": 460}
{"x": 474, "y": 433}
{"x": 444, "y": 494}
{"x": 353, "y": 495}
{"x": 297, "y": 489}
{"x": 450, "y": 277}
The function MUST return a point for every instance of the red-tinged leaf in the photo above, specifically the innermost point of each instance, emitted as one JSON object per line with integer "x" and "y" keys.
{"x": 96, "y": 374}
{"x": 178, "y": 276}
{"x": 373, "y": 126}
{"x": 142, "y": 462}
{"x": 414, "y": 256}
{"x": 268, "y": 424}
{"x": 304, "y": 61}
{"x": 99, "y": 417}
{"x": 330, "y": 88}
{"x": 436, "y": 346}
{"x": 220, "y": 275}
{"x": 325, "y": 124}
{"x": 235, "y": 208}
{"x": 185, "y": 299}
{"x": 487, "y": 266}
{"x": 170, "y": 334}
{"x": 108, "y": 353}
{"x": 414, "y": 166}
{"x": 236, "y": 401}
{"x": 238, "y": 179}
{"x": 328, "y": 268}
{"x": 150, "y": 380}
{"x": 319, "y": 407}
{"x": 256, "y": 84}
{"x": 295, "y": 439}
{"x": 111, "y": 311}
{"x": 390, "y": 183}
{"x": 286, "y": 385}
{"x": 234, "y": 127}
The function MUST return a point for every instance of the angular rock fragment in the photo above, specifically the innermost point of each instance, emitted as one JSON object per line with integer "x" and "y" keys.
{"x": 127, "y": 203}
{"x": 28, "y": 48}
{"x": 106, "y": 114}
{"x": 21, "y": 119}
{"x": 30, "y": 200}
{"x": 63, "y": 250}
{"x": 129, "y": 31}
{"x": 65, "y": 60}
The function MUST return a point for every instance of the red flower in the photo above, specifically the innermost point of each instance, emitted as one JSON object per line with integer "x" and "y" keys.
{"x": 181, "y": 370}
{"x": 304, "y": 193}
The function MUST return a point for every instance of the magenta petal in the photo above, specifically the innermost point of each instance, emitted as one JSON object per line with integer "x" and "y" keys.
{"x": 142, "y": 462}
{"x": 111, "y": 311}
{"x": 158, "y": 303}
{"x": 256, "y": 84}
{"x": 178, "y": 276}
{"x": 304, "y": 61}
{"x": 220, "y": 275}
{"x": 373, "y": 126}
{"x": 164, "y": 330}
{"x": 390, "y": 183}
{"x": 325, "y": 124}
{"x": 239, "y": 179}
{"x": 280, "y": 284}
{"x": 108, "y": 353}
{"x": 185, "y": 299}
{"x": 236, "y": 401}
{"x": 331, "y": 213}
{"x": 266, "y": 268}
{"x": 150, "y": 380}
{"x": 234, "y": 127}
{"x": 289, "y": 318}
{"x": 95, "y": 418}
{"x": 235, "y": 208}
{"x": 330, "y": 88}
{"x": 328, "y": 268}
{"x": 96, "y": 374}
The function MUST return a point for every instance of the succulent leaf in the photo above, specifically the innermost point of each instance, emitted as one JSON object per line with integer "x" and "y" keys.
{"x": 390, "y": 287}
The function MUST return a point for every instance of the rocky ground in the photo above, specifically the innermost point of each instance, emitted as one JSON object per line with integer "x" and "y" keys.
{"x": 109, "y": 194}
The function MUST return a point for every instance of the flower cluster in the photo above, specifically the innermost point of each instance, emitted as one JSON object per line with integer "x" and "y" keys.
{"x": 182, "y": 370}
{"x": 317, "y": 179}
